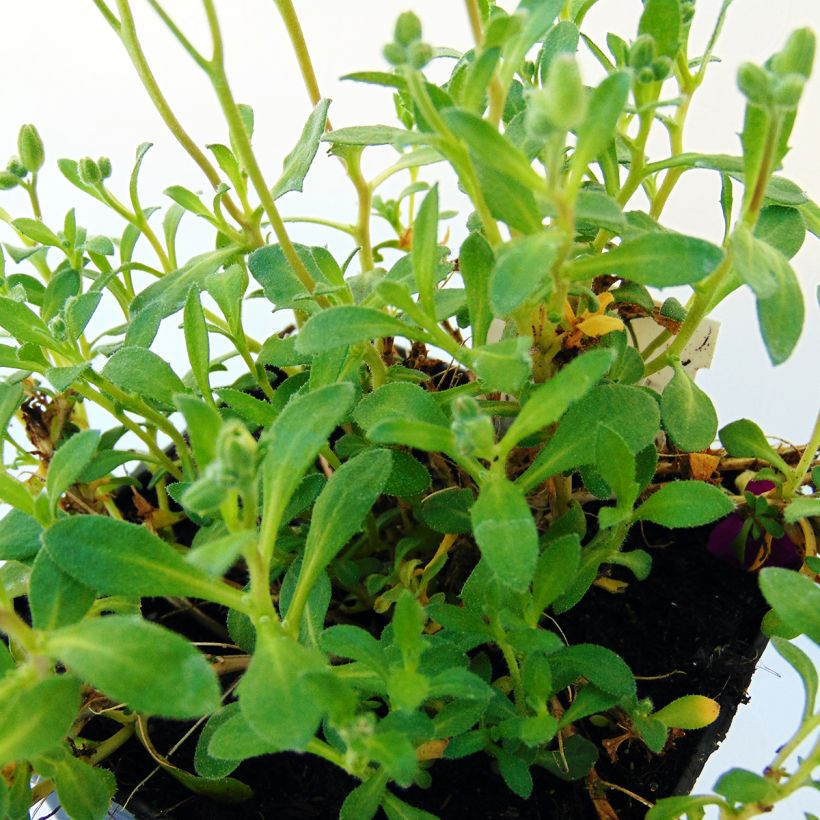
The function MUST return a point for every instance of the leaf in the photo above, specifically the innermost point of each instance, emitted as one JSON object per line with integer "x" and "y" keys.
{"x": 297, "y": 163}
{"x": 448, "y": 510}
{"x": 420, "y": 435}
{"x": 493, "y": 148}
{"x": 616, "y": 464}
{"x": 795, "y": 598}
{"x": 37, "y": 716}
{"x": 554, "y": 572}
{"x": 662, "y": 20}
{"x": 562, "y": 38}
{"x": 781, "y": 315}
{"x": 55, "y": 598}
{"x": 35, "y": 230}
{"x": 507, "y": 199}
{"x": 205, "y": 763}
{"x": 742, "y": 786}
{"x": 62, "y": 378}
{"x": 349, "y": 324}
{"x": 120, "y": 656}
{"x": 202, "y": 423}
{"x": 19, "y": 536}
{"x": 196, "y": 341}
{"x": 256, "y": 412}
{"x": 744, "y": 439}
{"x": 805, "y": 668}
{"x": 606, "y": 103}
{"x": 84, "y": 791}
{"x": 782, "y": 228}
{"x": 505, "y": 532}
{"x": 475, "y": 265}
{"x": 339, "y": 512}
{"x": 752, "y": 260}
{"x": 145, "y": 374}
{"x": 521, "y": 271}
{"x": 424, "y": 250}
{"x": 688, "y": 414}
{"x": 549, "y": 401}
{"x": 188, "y": 200}
{"x": 373, "y": 135}
{"x": 599, "y": 665}
{"x": 118, "y": 558}
{"x": 363, "y": 802}
{"x": 25, "y": 325}
{"x": 685, "y": 504}
{"x": 16, "y": 493}
{"x": 293, "y": 441}
{"x": 688, "y": 712}
{"x": 400, "y": 400}
{"x": 272, "y": 694}
{"x": 396, "y": 809}
{"x": 68, "y": 463}
{"x": 671, "y": 808}
{"x": 801, "y": 508}
{"x": 504, "y": 365}
{"x": 658, "y": 259}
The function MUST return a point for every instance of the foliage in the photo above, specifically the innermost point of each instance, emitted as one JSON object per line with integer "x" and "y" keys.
{"x": 344, "y": 467}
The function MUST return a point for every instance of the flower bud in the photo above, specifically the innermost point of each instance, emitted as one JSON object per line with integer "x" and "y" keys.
{"x": 89, "y": 171}
{"x": 408, "y": 29}
{"x": 8, "y": 180}
{"x": 646, "y": 75}
{"x": 236, "y": 452}
{"x": 395, "y": 54}
{"x": 31, "y": 149}
{"x": 473, "y": 430}
{"x": 661, "y": 68}
{"x": 419, "y": 54}
{"x": 17, "y": 168}
{"x": 562, "y": 102}
{"x": 755, "y": 84}
{"x": 797, "y": 55}
{"x": 205, "y": 495}
{"x": 787, "y": 90}
{"x": 104, "y": 164}
{"x": 642, "y": 52}
{"x": 57, "y": 328}
{"x": 673, "y": 309}
{"x": 689, "y": 712}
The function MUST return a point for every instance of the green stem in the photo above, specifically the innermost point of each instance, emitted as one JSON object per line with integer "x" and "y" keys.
{"x": 365, "y": 195}
{"x": 224, "y": 95}
{"x": 31, "y": 189}
{"x": 804, "y": 465}
{"x": 297, "y": 39}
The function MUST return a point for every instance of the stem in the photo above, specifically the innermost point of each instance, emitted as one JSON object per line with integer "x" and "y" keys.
{"x": 297, "y": 39}
{"x": 126, "y": 30}
{"x": 804, "y": 465}
{"x": 31, "y": 189}
{"x": 107, "y": 747}
{"x": 365, "y": 195}
{"x": 496, "y": 92}
{"x": 219, "y": 81}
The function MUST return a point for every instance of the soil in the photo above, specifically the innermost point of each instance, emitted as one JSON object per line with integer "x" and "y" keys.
{"x": 693, "y": 625}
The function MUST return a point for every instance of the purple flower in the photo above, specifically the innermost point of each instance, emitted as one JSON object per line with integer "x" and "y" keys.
{"x": 744, "y": 539}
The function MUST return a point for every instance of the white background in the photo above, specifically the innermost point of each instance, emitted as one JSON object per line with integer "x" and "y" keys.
{"x": 63, "y": 70}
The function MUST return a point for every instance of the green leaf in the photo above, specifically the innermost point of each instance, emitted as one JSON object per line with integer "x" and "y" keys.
{"x": 507, "y": 199}
{"x": 202, "y": 423}
{"x": 227, "y": 289}
{"x": 11, "y": 397}
{"x": 549, "y": 401}
{"x": 801, "y": 507}
{"x": 688, "y": 414}
{"x": 606, "y": 103}
{"x": 118, "y": 558}
{"x": 424, "y": 251}
{"x": 505, "y": 532}
{"x": 562, "y": 38}
{"x": 145, "y": 374}
{"x": 25, "y": 325}
{"x": 396, "y": 809}
{"x": 297, "y": 163}
{"x": 504, "y": 365}
{"x": 782, "y": 228}
{"x": 68, "y": 463}
{"x": 400, "y": 400}
{"x": 120, "y": 655}
{"x": 671, "y": 808}
{"x": 554, "y": 572}
{"x": 573, "y": 762}
{"x": 795, "y": 598}
{"x": 205, "y": 763}
{"x": 15, "y": 493}
{"x": 493, "y": 148}
{"x": 805, "y": 668}
{"x": 744, "y": 439}
{"x": 293, "y": 441}
{"x": 742, "y": 786}
{"x": 475, "y": 265}
{"x": 236, "y": 740}
{"x": 658, "y": 259}
{"x": 62, "y": 378}
{"x": 347, "y": 325}
{"x": 84, "y": 791}
{"x": 688, "y": 712}
{"x": 448, "y": 510}
{"x": 256, "y": 412}
{"x": 35, "y": 230}
{"x": 56, "y": 598}
{"x": 36, "y": 716}
{"x": 753, "y": 261}
{"x": 373, "y": 135}
{"x": 616, "y": 465}
{"x": 420, "y": 435}
{"x": 19, "y": 536}
{"x": 196, "y": 341}
{"x": 685, "y": 504}
{"x": 521, "y": 272}
{"x": 363, "y": 802}
{"x": 272, "y": 694}
{"x": 338, "y": 514}
{"x": 781, "y": 314}
{"x": 662, "y": 20}
{"x": 599, "y": 665}
{"x": 188, "y": 200}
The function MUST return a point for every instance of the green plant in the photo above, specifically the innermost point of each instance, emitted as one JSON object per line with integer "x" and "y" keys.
{"x": 337, "y": 475}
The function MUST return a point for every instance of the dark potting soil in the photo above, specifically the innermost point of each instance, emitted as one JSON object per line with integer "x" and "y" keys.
{"x": 692, "y": 626}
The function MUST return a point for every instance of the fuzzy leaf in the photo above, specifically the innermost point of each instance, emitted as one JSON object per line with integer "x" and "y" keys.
{"x": 145, "y": 374}
{"x": 68, "y": 463}
{"x": 688, "y": 413}
{"x": 297, "y": 163}
{"x": 795, "y": 598}
{"x": 685, "y": 504}
{"x": 424, "y": 251}
{"x": 349, "y": 324}
{"x": 521, "y": 272}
